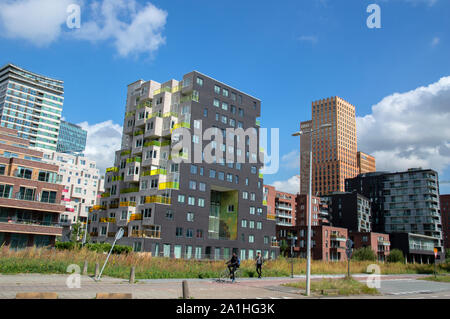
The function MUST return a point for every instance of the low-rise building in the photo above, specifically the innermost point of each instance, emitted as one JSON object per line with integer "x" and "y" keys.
{"x": 281, "y": 205}
{"x": 378, "y": 242}
{"x": 327, "y": 242}
{"x": 82, "y": 184}
{"x": 30, "y": 198}
{"x": 416, "y": 248}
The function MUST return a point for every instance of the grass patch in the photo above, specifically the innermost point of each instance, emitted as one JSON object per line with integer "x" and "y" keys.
{"x": 438, "y": 278}
{"x": 54, "y": 261}
{"x": 340, "y": 287}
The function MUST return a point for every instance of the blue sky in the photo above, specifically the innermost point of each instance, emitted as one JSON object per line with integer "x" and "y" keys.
{"x": 287, "y": 53}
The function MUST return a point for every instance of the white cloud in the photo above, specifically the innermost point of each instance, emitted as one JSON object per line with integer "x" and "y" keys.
{"x": 291, "y": 160}
{"x": 292, "y": 185}
{"x": 103, "y": 140}
{"x": 141, "y": 35}
{"x": 309, "y": 38}
{"x": 435, "y": 41}
{"x": 409, "y": 129}
{"x": 131, "y": 27}
{"x": 37, "y": 21}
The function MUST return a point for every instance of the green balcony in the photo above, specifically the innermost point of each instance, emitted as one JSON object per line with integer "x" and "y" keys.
{"x": 152, "y": 143}
{"x": 152, "y": 172}
{"x": 194, "y": 96}
{"x": 154, "y": 114}
{"x": 117, "y": 178}
{"x": 169, "y": 114}
{"x": 137, "y": 133}
{"x": 134, "y": 159}
{"x": 123, "y": 153}
{"x": 144, "y": 104}
{"x": 130, "y": 114}
{"x": 129, "y": 190}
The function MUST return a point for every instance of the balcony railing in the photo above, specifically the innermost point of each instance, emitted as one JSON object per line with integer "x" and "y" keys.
{"x": 15, "y": 220}
{"x": 158, "y": 199}
{"x": 117, "y": 178}
{"x": 152, "y": 172}
{"x": 107, "y": 220}
{"x": 112, "y": 169}
{"x": 113, "y": 205}
{"x": 129, "y": 190}
{"x": 169, "y": 185}
{"x": 126, "y": 152}
{"x": 126, "y": 204}
{"x": 271, "y": 217}
{"x": 146, "y": 233}
{"x": 152, "y": 143}
{"x": 134, "y": 159}
{"x": 135, "y": 217}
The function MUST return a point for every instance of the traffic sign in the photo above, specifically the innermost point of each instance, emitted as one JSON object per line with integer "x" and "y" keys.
{"x": 119, "y": 234}
{"x": 349, "y": 251}
{"x": 435, "y": 252}
{"x": 349, "y": 244}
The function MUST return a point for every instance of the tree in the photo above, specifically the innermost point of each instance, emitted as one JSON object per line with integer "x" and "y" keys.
{"x": 363, "y": 254}
{"x": 395, "y": 256}
{"x": 284, "y": 248}
{"x": 77, "y": 233}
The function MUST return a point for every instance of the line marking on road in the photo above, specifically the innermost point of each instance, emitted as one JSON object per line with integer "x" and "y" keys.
{"x": 410, "y": 292}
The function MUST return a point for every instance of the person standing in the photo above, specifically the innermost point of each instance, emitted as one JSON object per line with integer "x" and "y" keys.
{"x": 259, "y": 262}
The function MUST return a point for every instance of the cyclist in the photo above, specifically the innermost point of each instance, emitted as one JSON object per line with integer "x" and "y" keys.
{"x": 233, "y": 264}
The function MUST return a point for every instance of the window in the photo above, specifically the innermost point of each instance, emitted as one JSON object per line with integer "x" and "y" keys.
{"x": 230, "y": 178}
{"x": 189, "y": 233}
{"x": 259, "y": 211}
{"x": 224, "y": 106}
{"x": 191, "y": 200}
{"x": 124, "y": 215}
{"x": 201, "y": 202}
{"x": 6, "y": 190}
{"x": 179, "y": 232}
{"x": 48, "y": 197}
{"x": 147, "y": 212}
{"x": 217, "y": 89}
{"x": 252, "y": 210}
{"x": 49, "y": 177}
{"x": 225, "y": 92}
{"x": 245, "y": 195}
{"x": 221, "y": 176}
{"x": 169, "y": 214}
{"x": 199, "y": 81}
{"x": 193, "y": 169}
{"x": 180, "y": 198}
{"x": 252, "y": 196}
{"x": 212, "y": 173}
{"x": 202, "y": 187}
{"x": 193, "y": 185}
{"x": 190, "y": 217}
{"x": 251, "y": 224}
{"x": 216, "y": 103}
{"x": 199, "y": 234}
{"x": 23, "y": 172}
{"x": 205, "y": 112}
{"x": 244, "y": 223}
{"x": 259, "y": 225}
{"x": 251, "y": 239}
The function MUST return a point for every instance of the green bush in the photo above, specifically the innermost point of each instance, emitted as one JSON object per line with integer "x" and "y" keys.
{"x": 66, "y": 245}
{"x": 447, "y": 255}
{"x": 364, "y": 254}
{"x": 106, "y": 247}
{"x": 395, "y": 256}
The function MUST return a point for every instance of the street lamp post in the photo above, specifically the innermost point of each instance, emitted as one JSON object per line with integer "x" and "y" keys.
{"x": 308, "y": 245}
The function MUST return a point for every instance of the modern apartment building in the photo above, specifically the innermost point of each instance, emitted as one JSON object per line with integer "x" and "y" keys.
{"x": 335, "y": 147}
{"x": 403, "y": 202}
{"x": 366, "y": 163}
{"x": 445, "y": 217}
{"x": 82, "y": 184}
{"x": 31, "y": 104}
{"x": 327, "y": 242}
{"x": 349, "y": 210}
{"x": 30, "y": 198}
{"x": 319, "y": 212}
{"x": 280, "y": 204}
{"x": 71, "y": 138}
{"x": 179, "y": 203}
{"x": 378, "y": 242}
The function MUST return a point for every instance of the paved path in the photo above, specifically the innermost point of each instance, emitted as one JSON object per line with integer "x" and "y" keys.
{"x": 392, "y": 286}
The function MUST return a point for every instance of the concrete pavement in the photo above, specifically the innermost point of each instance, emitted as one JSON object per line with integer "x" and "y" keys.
{"x": 392, "y": 286}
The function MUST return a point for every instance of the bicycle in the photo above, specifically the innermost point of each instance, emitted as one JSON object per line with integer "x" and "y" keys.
{"x": 225, "y": 275}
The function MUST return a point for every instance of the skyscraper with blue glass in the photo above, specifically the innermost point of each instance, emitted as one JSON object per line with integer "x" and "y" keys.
{"x": 31, "y": 104}
{"x": 71, "y": 139}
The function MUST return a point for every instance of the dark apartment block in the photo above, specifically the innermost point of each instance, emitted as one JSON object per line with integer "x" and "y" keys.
{"x": 349, "y": 210}
{"x": 170, "y": 200}
{"x": 445, "y": 215}
{"x": 379, "y": 243}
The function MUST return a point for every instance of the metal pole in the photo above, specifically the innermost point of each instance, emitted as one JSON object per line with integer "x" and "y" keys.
{"x": 110, "y": 251}
{"x": 85, "y": 230}
{"x": 292, "y": 261}
{"x": 308, "y": 249}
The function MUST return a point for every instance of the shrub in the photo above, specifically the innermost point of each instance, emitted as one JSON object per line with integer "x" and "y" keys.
{"x": 364, "y": 254}
{"x": 106, "y": 247}
{"x": 395, "y": 256}
{"x": 447, "y": 255}
{"x": 69, "y": 245}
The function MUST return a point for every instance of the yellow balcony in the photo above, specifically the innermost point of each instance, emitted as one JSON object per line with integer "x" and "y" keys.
{"x": 112, "y": 169}
{"x": 126, "y": 204}
{"x": 169, "y": 185}
{"x": 98, "y": 207}
{"x": 136, "y": 217}
{"x": 157, "y": 199}
{"x": 107, "y": 220}
{"x": 153, "y": 172}
{"x": 181, "y": 124}
{"x": 271, "y": 217}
